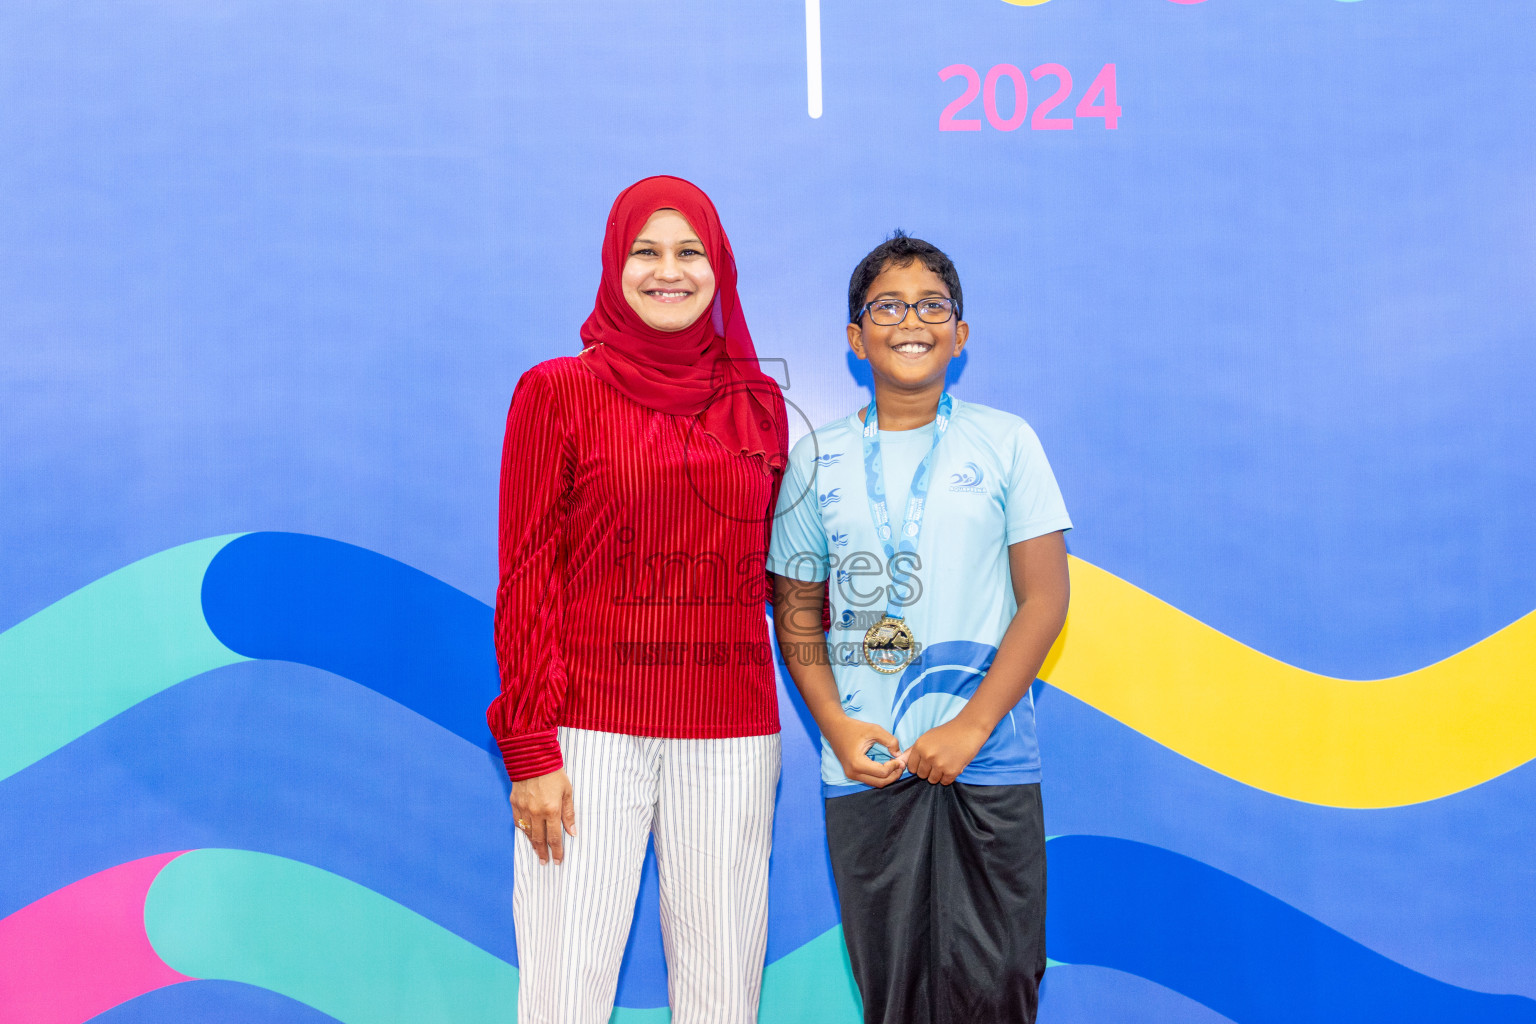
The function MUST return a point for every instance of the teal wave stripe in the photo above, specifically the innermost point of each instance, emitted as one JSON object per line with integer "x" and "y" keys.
{"x": 812, "y": 985}
{"x": 346, "y": 950}
{"x": 96, "y": 653}
{"x": 321, "y": 939}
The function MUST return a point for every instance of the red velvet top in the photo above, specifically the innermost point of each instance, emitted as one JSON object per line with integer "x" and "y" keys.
{"x": 632, "y": 587}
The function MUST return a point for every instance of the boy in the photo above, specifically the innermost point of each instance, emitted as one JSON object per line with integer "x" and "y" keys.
{"x": 941, "y": 526}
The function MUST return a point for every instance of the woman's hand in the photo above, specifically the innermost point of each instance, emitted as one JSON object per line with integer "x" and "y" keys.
{"x": 543, "y": 808}
{"x": 941, "y": 754}
{"x": 851, "y": 739}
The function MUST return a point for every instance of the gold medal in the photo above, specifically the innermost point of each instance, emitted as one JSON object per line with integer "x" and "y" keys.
{"x": 888, "y": 645}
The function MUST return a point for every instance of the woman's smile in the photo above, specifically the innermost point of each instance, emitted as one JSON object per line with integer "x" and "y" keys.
{"x": 667, "y": 278}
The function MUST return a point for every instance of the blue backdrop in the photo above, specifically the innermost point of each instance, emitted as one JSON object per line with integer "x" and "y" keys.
{"x": 272, "y": 268}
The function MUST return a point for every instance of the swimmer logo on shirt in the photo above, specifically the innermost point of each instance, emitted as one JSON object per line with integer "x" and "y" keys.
{"x": 968, "y": 480}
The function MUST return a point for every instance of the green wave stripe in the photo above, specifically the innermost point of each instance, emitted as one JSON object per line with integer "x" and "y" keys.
{"x": 103, "y": 649}
{"x": 340, "y": 947}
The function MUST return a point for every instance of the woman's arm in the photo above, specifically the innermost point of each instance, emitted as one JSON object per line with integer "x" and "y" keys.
{"x": 534, "y": 481}
{"x": 797, "y": 625}
{"x": 1041, "y": 586}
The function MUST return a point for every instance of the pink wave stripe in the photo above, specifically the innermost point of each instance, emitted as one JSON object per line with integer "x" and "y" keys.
{"x": 82, "y": 950}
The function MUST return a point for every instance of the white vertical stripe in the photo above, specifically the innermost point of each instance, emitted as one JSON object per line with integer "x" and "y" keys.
{"x": 573, "y": 918}
{"x": 713, "y": 833}
{"x": 710, "y": 803}
{"x": 813, "y": 57}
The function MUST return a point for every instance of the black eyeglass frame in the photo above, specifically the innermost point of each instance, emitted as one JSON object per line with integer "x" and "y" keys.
{"x": 954, "y": 310}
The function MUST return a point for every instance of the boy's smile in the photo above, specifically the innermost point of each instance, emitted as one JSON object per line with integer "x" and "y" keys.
{"x": 915, "y": 347}
{"x": 912, "y": 355}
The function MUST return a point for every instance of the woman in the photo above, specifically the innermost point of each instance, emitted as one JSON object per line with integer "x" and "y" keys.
{"x": 638, "y": 698}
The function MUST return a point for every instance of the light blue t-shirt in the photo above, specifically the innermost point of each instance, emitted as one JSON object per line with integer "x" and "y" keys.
{"x": 990, "y": 486}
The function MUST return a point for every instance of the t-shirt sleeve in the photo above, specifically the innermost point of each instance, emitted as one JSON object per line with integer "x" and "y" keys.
{"x": 799, "y": 546}
{"x": 1033, "y": 505}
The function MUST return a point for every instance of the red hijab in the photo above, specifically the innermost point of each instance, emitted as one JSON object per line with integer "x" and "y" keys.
{"x": 708, "y": 369}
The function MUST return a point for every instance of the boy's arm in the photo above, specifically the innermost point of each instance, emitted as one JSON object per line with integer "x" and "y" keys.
{"x": 797, "y": 625}
{"x": 1041, "y": 587}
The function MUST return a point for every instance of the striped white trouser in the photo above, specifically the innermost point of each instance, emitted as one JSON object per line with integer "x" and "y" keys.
{"x": 710, "y": 805}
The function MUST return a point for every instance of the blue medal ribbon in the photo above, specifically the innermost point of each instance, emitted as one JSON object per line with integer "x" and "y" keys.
{"x": 917, "y": 497}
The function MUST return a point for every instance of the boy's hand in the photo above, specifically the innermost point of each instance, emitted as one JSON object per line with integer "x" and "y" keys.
{"x": 941, "y": 753}
{"x": 851, "y": 739}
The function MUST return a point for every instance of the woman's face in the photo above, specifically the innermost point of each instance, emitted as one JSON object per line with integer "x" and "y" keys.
{"x": 667, "y": 278}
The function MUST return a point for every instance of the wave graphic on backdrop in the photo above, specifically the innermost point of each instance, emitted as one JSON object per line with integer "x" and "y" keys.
{"x": 308, "y": 934}
{"x": 97, "y": 921}
{"x": 1446, "y": 886}
{"x": 338, "y": 607}
{"x": 1232, "y": 947}
{"x": 358, "y": 956}
{"x": 103, "y": 649}
{"x": 298, "y": 745}
{"x": 232, "y": 1002}
{"x": 419, "y": 642}
{"x": 351, "y": 611}
{"x": 1287, "y": 731}
{"x": 1253, "y": 718}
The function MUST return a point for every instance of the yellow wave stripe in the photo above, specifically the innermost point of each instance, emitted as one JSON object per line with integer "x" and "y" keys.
{"x": 1298, "y": 734}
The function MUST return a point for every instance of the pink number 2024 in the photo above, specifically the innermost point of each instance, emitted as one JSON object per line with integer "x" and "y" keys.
{"x": 1099, "y": 101}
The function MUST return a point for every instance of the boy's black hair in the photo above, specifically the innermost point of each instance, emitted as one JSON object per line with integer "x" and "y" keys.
{"x": 899, "y": 251}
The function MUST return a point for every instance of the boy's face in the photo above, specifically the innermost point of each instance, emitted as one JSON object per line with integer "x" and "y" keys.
{"x": 912, "y": 355}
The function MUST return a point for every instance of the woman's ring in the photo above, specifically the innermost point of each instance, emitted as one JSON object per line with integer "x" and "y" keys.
{"x": 523, "y": 824}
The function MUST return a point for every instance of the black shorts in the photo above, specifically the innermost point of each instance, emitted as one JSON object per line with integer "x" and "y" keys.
{"x": 942, "y": 890}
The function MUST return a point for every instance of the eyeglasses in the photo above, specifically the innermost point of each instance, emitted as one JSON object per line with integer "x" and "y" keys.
{"x": 890, "y": 312}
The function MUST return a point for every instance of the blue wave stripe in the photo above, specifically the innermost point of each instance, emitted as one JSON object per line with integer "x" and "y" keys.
{"x": 1080, "y": 994}
{"x": 359, "y": 614}
{"x": 428, "y": 646}
{"x": 950, "y": 666}
{"x": 228, "y": 1002}
{"x": 1238, "y": 950}
{"x": 1462, "y": 911}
